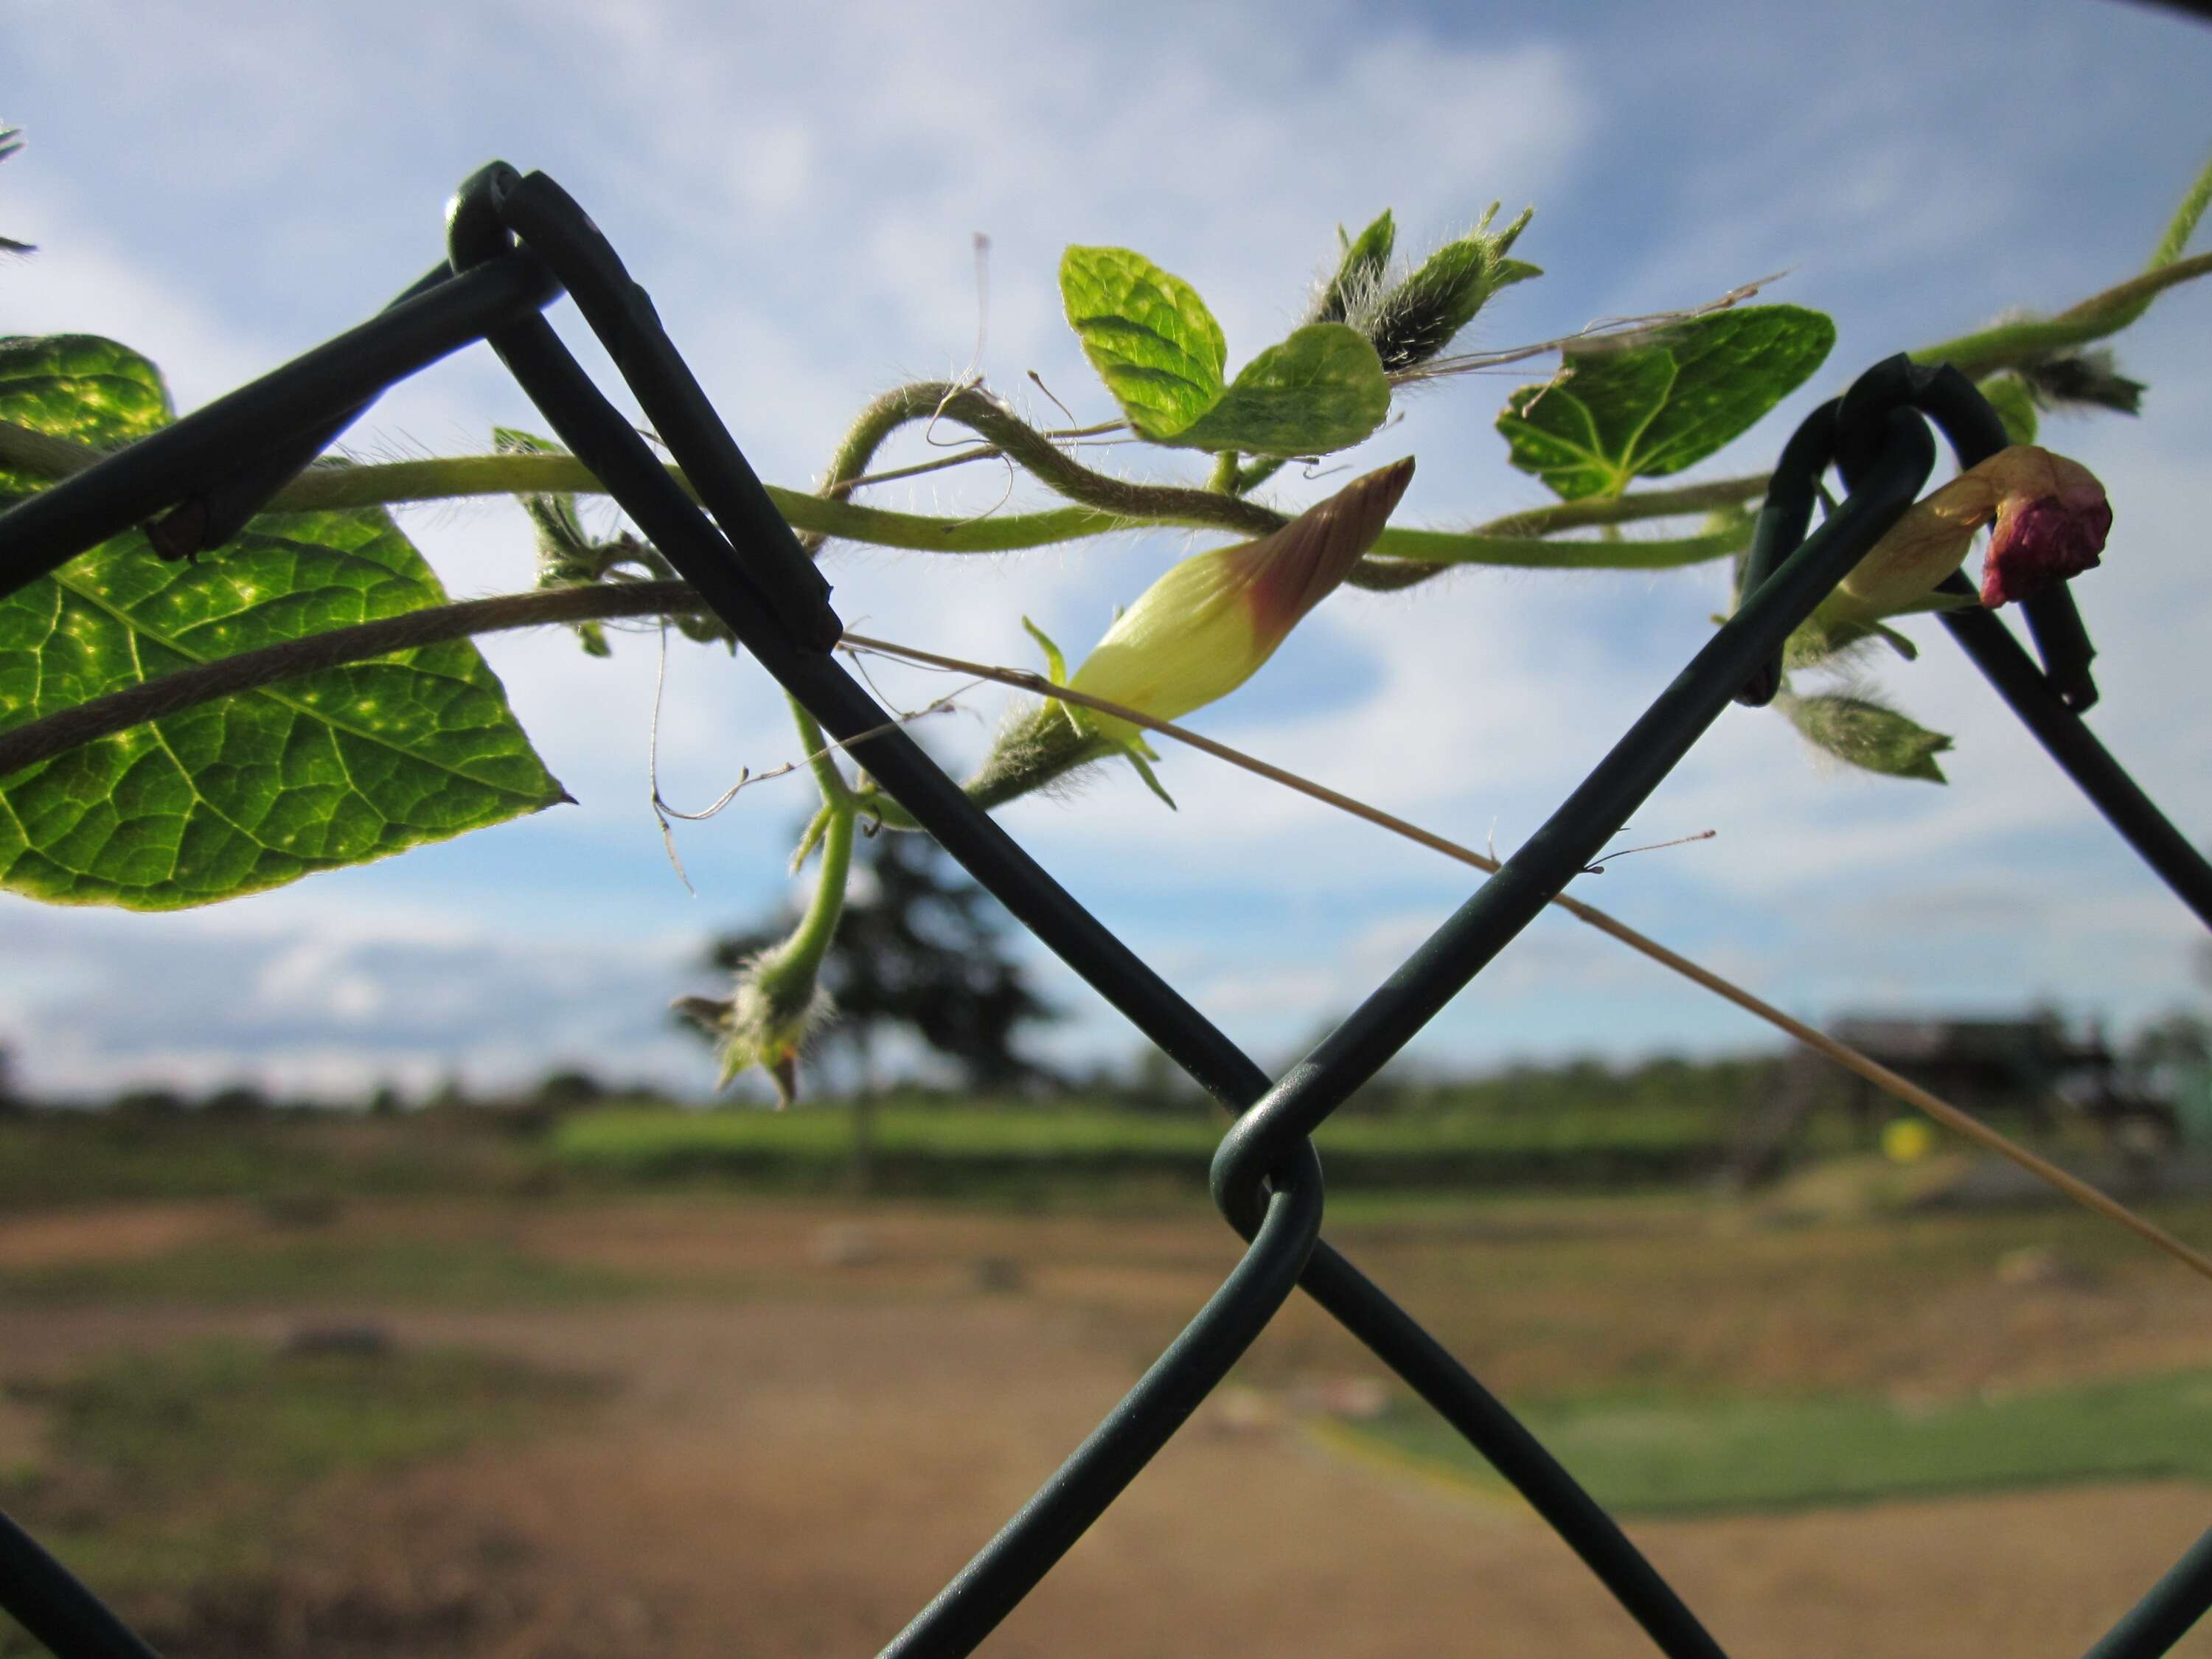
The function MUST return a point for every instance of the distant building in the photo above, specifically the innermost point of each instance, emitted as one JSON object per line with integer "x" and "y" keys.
{"x": 2031, "y": 1069}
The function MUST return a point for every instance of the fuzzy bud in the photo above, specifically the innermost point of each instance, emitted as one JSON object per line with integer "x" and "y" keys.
{"x": 1421, "y": 316}
{"x": 765, "y": 1021}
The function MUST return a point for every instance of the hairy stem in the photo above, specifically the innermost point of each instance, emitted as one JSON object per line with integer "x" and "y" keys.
{"x": 809, "y": 942}
{"x": 2009, "y": 345}
{"x": 1412, "y": 555}
{"x": 340, "y": 486}
{"x": 1676, "y": 502}
{"x": 1436, "y": 548}
{"x": 935, "y": 401}
{"x": 67, "y": 728}
{"x": 803, "y": 951}
{"x": 1509, "y": 541}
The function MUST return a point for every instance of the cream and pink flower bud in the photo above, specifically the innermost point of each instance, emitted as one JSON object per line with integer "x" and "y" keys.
{"x": 2051, "y": 527}
{"x": 2051, "y": 521}
{"x": 1207, "y": 626}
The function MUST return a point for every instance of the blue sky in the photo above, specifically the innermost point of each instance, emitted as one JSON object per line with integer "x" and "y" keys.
{"x": 225, "y": 184}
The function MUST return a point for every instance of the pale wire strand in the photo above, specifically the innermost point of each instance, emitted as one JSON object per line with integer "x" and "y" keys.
{"x": 662, "y": 812}
{"x": 1844, "y": 1054}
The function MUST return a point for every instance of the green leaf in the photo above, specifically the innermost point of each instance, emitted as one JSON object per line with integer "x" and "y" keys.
{"x": 1580, "y": 435}
{"x": 1647, "y": 411}
{"x": 78, "y": 386}
{"x": 2015, "y": 404}
{"x": 1867, "y": 734}
{"x": 1161, "y": 354}
{"x": 252, "y": 791}
{"x": 1056, "y": 659}
{"x": 1148, "y": 333}
{"x": 1321, "y": 389}
{"x": 1056, "y": 670}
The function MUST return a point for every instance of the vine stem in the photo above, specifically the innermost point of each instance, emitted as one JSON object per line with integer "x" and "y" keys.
{"x": 41, "y": 739}
{"x": 2008, "y": 345}
{"x": 801, "y": 954}
{"x": 1515, "y": 540}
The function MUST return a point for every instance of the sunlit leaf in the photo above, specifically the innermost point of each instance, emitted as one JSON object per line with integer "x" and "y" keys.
{"x": 1148, "y": 333}
{"x": 1647, "y": 411}
{"x": 1323, "y": 389}
{"x": 254, "y": 790}
{"x": 2015, "y": 403}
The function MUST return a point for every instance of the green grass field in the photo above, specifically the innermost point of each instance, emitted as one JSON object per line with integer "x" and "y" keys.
{"x": 419, "y": 1272}
{"x": 989, "y": 1149}
{"x": 951, "y": 1148}
{"x": 1654, "y": 1457}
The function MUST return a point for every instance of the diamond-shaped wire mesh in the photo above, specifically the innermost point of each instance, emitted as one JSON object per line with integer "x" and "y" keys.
{"x": 516, "y": 243}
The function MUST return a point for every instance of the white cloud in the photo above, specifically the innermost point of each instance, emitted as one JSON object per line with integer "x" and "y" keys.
{"x": 324, "y": 998}
{"x": 80, "y": 283}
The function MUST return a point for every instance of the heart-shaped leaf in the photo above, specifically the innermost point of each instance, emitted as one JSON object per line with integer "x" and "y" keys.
{"x": 1646, "y": 411}
{"x": 254, "y": 790}
{"x": 1161, "y": 354}
{"x": 1148, "y": 333}
{"x": 1321, "y": 389}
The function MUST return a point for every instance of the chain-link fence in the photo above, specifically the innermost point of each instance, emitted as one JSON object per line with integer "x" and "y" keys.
{"x": 517, "y": 242}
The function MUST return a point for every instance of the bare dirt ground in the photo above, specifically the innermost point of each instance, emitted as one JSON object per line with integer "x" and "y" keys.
{"x": 823, "y": 1411}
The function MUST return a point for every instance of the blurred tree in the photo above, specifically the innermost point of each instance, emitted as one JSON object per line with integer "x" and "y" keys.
{"x": 240, "y": 1100}
{"x": 564, "y": 1091}
{"x": 451, "y": 1094}
{"x": 148, "y": 1102}
{"x": 1156, "y": 1084}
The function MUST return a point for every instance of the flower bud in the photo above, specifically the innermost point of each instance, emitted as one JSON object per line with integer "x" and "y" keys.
{"x": 1207, "y": 626}
{"x": 764, "y": 1021}
{"x": 1422, "y": 315}
{"x": 2050, "y": 528}
{"x": 2052, "y": 519}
